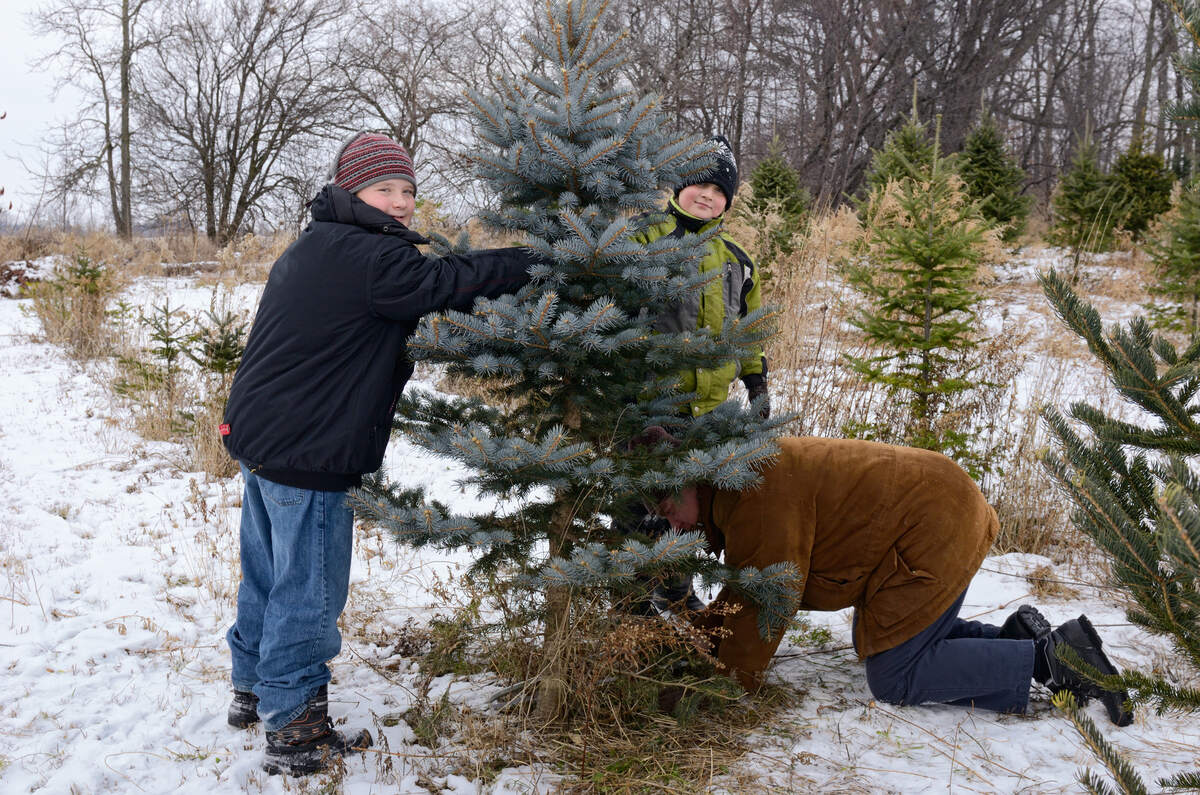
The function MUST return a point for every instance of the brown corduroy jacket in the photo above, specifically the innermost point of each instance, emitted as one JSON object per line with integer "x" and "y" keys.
{"x": 895, "y": 532}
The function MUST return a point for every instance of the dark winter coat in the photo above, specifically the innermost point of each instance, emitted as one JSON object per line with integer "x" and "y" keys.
{"x": 735, "y": 292}
{"x": 311, "y": 404}
{"x": 894, "y": 532}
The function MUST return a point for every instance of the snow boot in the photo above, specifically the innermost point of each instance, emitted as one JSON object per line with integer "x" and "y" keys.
{"x": 1080, "y": 636}
{"x": 309, "y": 744}
{"x": 1025, "y": 624}
{"x": 243, "y": 711}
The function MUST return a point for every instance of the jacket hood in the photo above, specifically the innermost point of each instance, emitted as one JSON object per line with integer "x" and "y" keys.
{"x": 338, "y": 205}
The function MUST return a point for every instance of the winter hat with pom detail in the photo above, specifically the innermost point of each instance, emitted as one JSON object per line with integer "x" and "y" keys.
{"x": 366, "y": 158}
{"x": 724, "y": 173}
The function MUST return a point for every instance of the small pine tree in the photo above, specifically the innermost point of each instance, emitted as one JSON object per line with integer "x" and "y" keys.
{"x": 1176, "y": 257}
{"x": 1134, "y": 487}
{"x": 994, "y": 179}
{"x": 776, "y": 186}
{"x": 1142, "y": 186}
{"x": 908, "y": 152}
{"x": 1086, "y": 206}
{"x": 778, "y": 207}
{"x": 926, "y": 242}
{"x": 577, "y": 164}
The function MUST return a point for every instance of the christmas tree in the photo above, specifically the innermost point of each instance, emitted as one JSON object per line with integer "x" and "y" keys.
{"x": 777, "y": 207}
{"x": 1142, "y": 187}
{"x": 1176, "y": 257}
{"x": 1086, "y": 206}
{"x": 579, "y": 164}
{"x": 994, "y": 179}
{"x": 1136, "y": 493}
{"x": 925, "y": 241}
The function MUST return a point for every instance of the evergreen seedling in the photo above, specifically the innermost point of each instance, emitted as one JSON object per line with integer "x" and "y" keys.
{"x": 1142, "y": 188}
{"x": 778, "y": 207}
{"x": 1132, "y": 483}
{"x": 1087, "y": 206}
{"x": 580, "y": 166}
{"x": 1176, "y": 257}
{"x": 926, "y": 239}
{"x": 993, "y": 179}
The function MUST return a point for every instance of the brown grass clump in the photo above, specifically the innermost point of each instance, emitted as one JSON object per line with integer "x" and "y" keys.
{"x": 72, "y": 306}
{"x": 1044, "y": 584}
{"x": 645, "y": 707}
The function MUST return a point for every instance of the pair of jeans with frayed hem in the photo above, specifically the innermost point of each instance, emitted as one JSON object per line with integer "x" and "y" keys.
{"x": 295, "y": 547}
{"x": 955, "y": 662}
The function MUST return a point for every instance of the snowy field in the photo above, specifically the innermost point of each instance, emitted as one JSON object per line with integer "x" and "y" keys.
{"x": 119, "y": 573}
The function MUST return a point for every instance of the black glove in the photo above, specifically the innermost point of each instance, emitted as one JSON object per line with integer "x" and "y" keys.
{"x": 756, "y": 386}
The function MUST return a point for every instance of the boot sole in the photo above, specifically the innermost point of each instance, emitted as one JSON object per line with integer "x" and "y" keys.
{"x": 1114, "y": 701}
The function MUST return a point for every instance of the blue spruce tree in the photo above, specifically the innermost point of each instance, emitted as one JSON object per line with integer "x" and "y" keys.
{"x": 579, "y": 163}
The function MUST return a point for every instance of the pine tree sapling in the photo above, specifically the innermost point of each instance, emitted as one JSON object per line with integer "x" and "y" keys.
{"x": 1142, "y": 187}
{"x": 908, "y": 152}
{"x": 778, "y": 206}
{"x": 575, "y": 159}
{"x": 926, "y": 238}
{"x": 1133, "y": 489}
{"x": 1087, "y": 207}
{"x": 993, "y": 179}
{"x": 1175, "y": 253}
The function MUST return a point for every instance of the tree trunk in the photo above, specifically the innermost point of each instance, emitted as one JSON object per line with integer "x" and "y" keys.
{"x": 125, "y": 217}
{"x": 552, "y": 684}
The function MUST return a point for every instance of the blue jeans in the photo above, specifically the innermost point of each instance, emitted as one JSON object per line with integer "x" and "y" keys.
{"x": 955, "y": 662}
{"x": 295, "y": 575}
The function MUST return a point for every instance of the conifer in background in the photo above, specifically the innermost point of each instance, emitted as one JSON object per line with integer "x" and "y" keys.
{"x": 926, "y": 240}
{"x": 1137, "y": 495}
{"x": 1086, "y": 205}
{"x": 778, "y": 207}
{"x": 994, "y": 179}
{"x": 577, "y": 162}
{"x": 1142, "y": 186}
{"x": 908, "y": 152}
{"x": 1175, "y": 253}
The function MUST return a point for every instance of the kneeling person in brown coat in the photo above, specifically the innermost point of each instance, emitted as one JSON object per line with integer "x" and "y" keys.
{"x": 896, "y": 533}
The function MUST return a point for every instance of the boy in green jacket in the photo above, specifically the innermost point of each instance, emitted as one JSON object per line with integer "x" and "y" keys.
{"x": 698, "y": 207}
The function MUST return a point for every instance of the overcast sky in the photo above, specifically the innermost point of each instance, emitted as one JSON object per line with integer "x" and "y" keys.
{"x": 25, "y": 95}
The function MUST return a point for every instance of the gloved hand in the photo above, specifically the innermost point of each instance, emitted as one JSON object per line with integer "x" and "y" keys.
{"x": 756, "y": 386}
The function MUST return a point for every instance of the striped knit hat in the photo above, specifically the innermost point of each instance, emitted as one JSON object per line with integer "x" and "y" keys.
{"x": 367, "y": 158}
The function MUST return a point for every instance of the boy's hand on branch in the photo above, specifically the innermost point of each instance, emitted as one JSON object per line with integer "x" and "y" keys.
{"x": 756, "y": 386}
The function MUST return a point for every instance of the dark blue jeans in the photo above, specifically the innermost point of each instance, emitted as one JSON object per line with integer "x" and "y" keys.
{"x": 295, "y": 576}
{"x": 955, "y": 662}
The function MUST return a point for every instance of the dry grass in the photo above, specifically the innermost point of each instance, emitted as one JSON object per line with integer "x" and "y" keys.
{"x": 72, "y": 307}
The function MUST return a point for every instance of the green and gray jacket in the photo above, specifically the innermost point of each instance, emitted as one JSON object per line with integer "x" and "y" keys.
{"x": 737, "y": 291}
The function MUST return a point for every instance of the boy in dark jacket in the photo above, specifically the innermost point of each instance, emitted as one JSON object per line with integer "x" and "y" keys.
{"x": 310, "y": 412}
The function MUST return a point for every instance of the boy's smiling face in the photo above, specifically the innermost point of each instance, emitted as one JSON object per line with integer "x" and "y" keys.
{"x": 396, "y": 197}
{"x": 705, "y": 200}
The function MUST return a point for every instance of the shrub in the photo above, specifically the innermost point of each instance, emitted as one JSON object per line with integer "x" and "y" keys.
{"x": 72, "y": 306}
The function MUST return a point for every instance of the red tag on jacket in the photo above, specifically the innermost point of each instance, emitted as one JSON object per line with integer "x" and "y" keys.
{"x": 223, "y": 428}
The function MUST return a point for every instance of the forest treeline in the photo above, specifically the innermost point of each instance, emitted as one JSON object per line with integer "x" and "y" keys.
{"x": 216, "y": 116}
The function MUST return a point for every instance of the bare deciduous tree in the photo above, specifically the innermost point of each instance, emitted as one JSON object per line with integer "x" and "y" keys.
{"x": 98, "y": 44}
{"x": 237, "y": 87}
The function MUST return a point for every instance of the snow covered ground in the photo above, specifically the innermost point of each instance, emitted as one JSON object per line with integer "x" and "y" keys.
{"x": 119, "y": 572}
